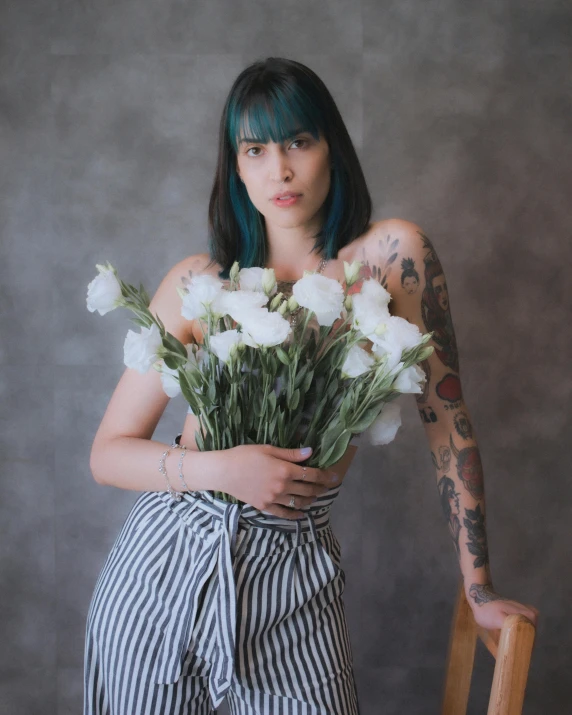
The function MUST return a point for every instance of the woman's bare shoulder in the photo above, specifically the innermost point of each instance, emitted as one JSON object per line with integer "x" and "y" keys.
{"x": 195, "y": 265}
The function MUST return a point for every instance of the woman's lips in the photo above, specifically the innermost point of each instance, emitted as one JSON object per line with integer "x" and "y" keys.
{"x": 287, "y": 202}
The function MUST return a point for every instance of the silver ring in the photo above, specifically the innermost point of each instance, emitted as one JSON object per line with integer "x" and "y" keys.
{"x": 291, "y": 504}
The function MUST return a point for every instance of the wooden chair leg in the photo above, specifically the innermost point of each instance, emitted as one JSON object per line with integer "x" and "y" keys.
{"x": 512, "y": 665}
{"x": 460, "y": 658}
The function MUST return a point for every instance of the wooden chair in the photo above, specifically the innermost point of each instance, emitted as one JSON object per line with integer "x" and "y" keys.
{"x": 511, "y": 647}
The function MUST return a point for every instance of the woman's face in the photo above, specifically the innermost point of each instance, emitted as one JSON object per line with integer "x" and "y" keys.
{"x": 304, "y": 164}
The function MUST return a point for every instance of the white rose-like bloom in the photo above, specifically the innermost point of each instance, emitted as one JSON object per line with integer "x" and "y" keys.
{"x": 357, "y": 362}
{"x": 169, "y": 377}
{"x": 201, "y": 291}
{"x": 384, "y": 428}
{"x": 369, "y": 307}
{"x": 410, "y": 380}
{"x": 236, "y": 302}
{"x": 140, "y": 349}
{"x": 399, "y": 332}
{"x": 222, "y": 342}
{"x": 262, "y": 328}
{"x": 257, "y": 279}
{"x": 324, "y": 296}
{"x": 104, "y": 291}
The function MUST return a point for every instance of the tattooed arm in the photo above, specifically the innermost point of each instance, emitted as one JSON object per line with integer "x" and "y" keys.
{"x": 403, "y": 259}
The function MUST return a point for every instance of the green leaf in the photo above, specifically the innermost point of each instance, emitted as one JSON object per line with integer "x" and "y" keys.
{"x": 199, "y": 441}
{"x": 368, "y": 417}
{"x": 282, "y": 355}
{"x": 332, "y": 388}
{"x": 308, "y": 381}
{"x": 211, "y": 392}
{"x": 337, "y": 451}
{"x": 172, "y": 362}
{"x": 293, "y": 402}
{"x": 271, "y": 403}
{"x": 345, "y": 406}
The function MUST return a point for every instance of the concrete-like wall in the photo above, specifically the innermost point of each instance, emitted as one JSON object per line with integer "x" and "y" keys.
{"x": 461, "y": 115}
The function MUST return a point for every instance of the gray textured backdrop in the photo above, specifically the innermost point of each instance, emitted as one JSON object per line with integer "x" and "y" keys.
{"x": 461, "y": 115}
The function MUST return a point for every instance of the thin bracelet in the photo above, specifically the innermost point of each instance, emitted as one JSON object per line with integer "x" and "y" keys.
{"x": 177, "y": 445}
{"x": 175, "y": 496}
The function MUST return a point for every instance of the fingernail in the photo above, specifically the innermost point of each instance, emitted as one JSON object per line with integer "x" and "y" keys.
{"x": 305, "y": 451}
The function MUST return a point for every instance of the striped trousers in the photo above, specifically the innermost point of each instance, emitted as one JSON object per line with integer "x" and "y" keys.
{"x": 203, "y": 599}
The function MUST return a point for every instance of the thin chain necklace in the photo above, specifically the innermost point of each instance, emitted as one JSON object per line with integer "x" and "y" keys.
{"x": 294, "y": 313}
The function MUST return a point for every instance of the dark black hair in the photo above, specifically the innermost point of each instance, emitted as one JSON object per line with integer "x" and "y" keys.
{"x": 278, "y": 98}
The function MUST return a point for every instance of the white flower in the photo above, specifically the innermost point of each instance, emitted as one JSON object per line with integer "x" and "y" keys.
{"x": 258, "y": 279}
{"x": 261, "y": 328}
{"x": 324, "y": 296}
{"x": 140, "y": 349}
{"x": 169, "y": 377}
{"x": 388, "y": 352}
{"x": 237, "y": 302}
{"x": 201, "y": 291}
{"x": 357, "y": 362}
{"x": 410, "y": 380}
{"x": 384, "y": 428}
{"x": 398, "y": 332}
{"x": 369, "y": 307}
{"x": 222, "y": 343}
{"x": 104, "y": 291}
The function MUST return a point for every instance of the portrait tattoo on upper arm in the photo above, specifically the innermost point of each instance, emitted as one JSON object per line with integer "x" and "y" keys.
{"x": 435, "y": 308}
{"x": 409, "y": 276}
{"x": 463, "y": 425}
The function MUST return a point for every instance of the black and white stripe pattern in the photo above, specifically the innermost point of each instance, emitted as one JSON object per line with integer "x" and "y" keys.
{"x": 202, "y": 599}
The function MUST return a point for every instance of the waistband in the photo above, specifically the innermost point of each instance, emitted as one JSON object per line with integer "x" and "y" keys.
{"x": 217, "y": 522}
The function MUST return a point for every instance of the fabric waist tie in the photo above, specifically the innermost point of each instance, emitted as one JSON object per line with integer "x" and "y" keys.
{"x": 219, "y": 533}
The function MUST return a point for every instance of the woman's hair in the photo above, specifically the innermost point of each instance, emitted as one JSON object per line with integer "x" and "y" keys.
{"x": 276, "y": 99}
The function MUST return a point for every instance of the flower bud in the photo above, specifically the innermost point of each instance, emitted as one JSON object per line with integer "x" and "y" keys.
{"x": 381, "y": 329}
{"x": 348, "y": 302}
{"x": 233, "y": 274}
{"x": 292, "y": 303}
{"x": 351, "y": 272}
{"x": 268, "y": 281}
{"x": 283, "y": 308}
{"x": 275, "y": 302}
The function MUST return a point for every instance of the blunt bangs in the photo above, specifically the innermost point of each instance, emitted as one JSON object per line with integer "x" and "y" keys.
{"x": 274, "y": 100}
{"x": 282, "y": 114}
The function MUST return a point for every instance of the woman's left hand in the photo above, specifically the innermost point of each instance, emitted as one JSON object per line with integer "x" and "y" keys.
{"x": 490, "y": 609}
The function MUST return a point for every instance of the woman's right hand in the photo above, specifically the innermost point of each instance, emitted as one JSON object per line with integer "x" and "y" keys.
{"x": 266, "y": 477}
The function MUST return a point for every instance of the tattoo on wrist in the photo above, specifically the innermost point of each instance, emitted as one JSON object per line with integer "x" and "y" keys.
{"x": 483, "y": 593}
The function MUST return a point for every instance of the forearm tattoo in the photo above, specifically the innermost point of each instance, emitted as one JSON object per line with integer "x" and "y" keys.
{"x": 474, "y": 522}
{"x": 450, "y": 507}
{"x": 469, "y": 469}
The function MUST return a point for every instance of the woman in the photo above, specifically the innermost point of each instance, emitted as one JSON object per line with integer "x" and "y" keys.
{"x": 202, "y": 599}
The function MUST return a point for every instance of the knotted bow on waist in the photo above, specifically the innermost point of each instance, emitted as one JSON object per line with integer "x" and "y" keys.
{"x": 216, "y": 522}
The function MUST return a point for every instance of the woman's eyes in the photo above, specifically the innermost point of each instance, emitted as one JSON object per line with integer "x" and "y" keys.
{"x": 255, "y": 147}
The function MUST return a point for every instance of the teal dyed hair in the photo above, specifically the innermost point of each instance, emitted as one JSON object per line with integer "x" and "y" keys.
{"x": 273, "y": 100}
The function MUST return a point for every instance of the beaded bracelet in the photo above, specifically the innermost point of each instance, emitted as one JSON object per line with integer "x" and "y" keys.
{"x": 175, "y": 496}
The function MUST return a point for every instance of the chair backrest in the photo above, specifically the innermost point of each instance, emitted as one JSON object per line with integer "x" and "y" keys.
{"x": 511, "y": 647}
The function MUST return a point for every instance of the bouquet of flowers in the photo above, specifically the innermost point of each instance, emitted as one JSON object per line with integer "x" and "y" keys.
{"x": 256, "y": 379}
